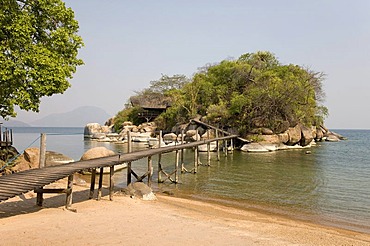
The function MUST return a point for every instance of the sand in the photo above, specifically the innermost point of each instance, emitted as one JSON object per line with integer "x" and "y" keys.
{"x": 167, "y": 221}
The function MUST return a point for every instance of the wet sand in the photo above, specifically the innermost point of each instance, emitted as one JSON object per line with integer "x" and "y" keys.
{"x": 167, "y": 221}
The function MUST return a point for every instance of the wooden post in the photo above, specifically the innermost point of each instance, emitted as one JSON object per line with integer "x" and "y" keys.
{"x": 40, "y": 198}
{"x": 232, "y": 145}
{"x": 92, "y": 183}
{"x": 160, "y": 159}
{"x": 225, "y": 144}
{"x": 182, "y": 151}
{"x": 226, "y": 148}
{"x": 42, "y": 159}
{"x": 197, "y": 148}
{"x": 208, "y": 149}
{"x": 129, "y": 142}
{"x": 69, "y": 191}
{"x": 217, "y": 146}
{"x": 196, "y": 155}
{"x": 177, "y": 167}
{"x": 100, "y": 183}
{"x": 195, "y": 160}
{"x": 111, "y": 183}
{"x": 150, "y": 171}
{"x": 11, "y": 136}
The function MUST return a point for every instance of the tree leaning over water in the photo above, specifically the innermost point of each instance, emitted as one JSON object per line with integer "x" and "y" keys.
{"x": 39, "y": 46}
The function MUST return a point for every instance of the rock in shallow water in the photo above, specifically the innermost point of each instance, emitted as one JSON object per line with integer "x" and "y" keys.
{"x": 259, "y": 147}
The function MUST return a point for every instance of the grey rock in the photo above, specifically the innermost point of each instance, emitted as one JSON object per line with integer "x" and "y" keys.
{"x": 141, "y": 191}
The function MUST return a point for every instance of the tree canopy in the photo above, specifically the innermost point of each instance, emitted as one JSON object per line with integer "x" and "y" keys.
{"x": 38, "y": 52}
{"x": 253, "y": 91}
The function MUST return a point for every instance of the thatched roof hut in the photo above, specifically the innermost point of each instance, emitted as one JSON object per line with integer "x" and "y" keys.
{"x": 152, "y": 105}
{"x": 151, "y": 102}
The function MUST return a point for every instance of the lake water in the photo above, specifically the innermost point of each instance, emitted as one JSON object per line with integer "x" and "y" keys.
{"x": 329, "y": 186}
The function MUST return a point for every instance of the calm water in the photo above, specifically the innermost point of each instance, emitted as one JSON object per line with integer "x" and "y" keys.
{"x": 329, "y": 186}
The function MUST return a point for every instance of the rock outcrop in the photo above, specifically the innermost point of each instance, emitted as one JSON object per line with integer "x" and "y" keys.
{"x": 96, "y": 152}
{"x": 95, "y": 130}
{"x": 30, "y": 160}
{"x": 294, "y": 135}
{"x": 299, "y": 136}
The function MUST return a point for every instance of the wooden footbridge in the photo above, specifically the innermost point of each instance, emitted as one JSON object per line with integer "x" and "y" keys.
{"x": 35, "y": 179}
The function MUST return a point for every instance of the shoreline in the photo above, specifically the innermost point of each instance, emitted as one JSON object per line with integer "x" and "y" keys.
{"x": 276, "y": 211}
{"x": 169, "y": 220}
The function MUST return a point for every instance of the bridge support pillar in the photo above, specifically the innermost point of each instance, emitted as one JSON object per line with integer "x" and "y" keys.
{"x": 69, "y": 192}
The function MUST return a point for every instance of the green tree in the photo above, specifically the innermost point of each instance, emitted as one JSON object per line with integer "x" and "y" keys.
{"x": 38, "y": 52}
{"x": 167, "y": 83}
{"x": 256, "y": 90}
{"x": 252, "y": 91}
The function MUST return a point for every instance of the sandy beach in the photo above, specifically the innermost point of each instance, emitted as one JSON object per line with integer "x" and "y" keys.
{"x": 167, "y": 221}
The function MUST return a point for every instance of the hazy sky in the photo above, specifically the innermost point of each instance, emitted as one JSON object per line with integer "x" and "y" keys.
{"x": 130, "y": 43}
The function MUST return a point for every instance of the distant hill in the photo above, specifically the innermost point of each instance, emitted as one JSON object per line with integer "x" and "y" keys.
{"x": 14, "y": 123}
{"x": 75, "y": 118}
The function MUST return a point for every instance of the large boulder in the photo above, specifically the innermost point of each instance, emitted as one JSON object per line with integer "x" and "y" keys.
{"x": 32, "y": 154}
{"x": 170, "y": 137}
{"x": 106, "y": 129}
{"x": 147, "y": 127}
{"x": 141, "y": 191}
{"x": 91, "y": 128}
{"x": 283, "y": 137}
{"x": 306, "y": 134}
{"x": 96, "y": 152}
{"x": 340, "y": 137}
{"x": 30, "y": 159}
{"x": 53, "y": 158}
{"x": 330, "y": 137}
{"x": 313, "y": 130}
{"x": 294, "y": 134}
{"x": 191, "y": 135}
{"x": 259, "y": 147}
{"x": 319, "y": 134}
{"x": 274, "y": 139}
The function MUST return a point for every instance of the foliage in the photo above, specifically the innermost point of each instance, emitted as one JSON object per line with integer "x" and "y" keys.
{"x": 166, "y": 90}
{"x": 38, "y": 52}
{"x": 257, "y": 86}
{"x": 127, "y": 114}
{"x": 168, "y": 83}
{"x": 252, "y": 91}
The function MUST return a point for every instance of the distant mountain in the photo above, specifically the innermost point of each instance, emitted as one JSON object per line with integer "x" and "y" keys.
{"x": 75, "y": 118}
{"x": 14, "y": 123}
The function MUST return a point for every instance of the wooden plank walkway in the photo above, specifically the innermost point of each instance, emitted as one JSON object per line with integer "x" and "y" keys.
{"x": 218, "y": 129}
{"x": 19, "y": 183}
